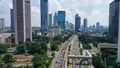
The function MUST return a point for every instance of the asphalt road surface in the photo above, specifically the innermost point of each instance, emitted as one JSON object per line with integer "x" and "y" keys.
{"x": 60, "y": 60}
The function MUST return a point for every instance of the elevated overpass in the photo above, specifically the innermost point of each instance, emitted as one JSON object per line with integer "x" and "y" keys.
{"x": 107, "y": 45}
{"x": 87, "y": 58}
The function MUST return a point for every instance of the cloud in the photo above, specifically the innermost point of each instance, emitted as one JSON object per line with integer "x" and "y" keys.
{"x": 35, "y": 16}
{"x": 97, "y": 16}
{"x": 5, "y": 6}
{"x": 85, "y": 8}
{"x": 54, "y": 5}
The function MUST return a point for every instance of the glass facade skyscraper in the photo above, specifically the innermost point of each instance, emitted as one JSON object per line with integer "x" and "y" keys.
{"x": 114, "y": 21}
{"x": 44, "y": 16}
{"x": 12, "y": 20}
{"x": 61, "y": 19}
{"x": 50, "y": 21}
{"x": 77, "y": 22}
{"x": 85, "y": 27}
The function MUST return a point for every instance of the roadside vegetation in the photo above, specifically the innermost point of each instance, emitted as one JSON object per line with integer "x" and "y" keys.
{"x": 38, "y": 48}
{"x": 107, "y": 57}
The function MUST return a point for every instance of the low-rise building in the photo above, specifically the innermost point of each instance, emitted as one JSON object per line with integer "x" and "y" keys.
{"x": 4, "y": 38}
{"x": 57, "y": 30}
{"x": 50, "y": 33}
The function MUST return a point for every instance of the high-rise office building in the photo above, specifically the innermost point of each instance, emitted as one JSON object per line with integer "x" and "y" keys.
{"x": 50, "y": 20}
{"x": 114, "y": 21}
{"x": 2, "y": 24}
{"x": 61, "y": 19}
{"x": 85, "y": 27}
{"x": 55, "y": 23}
{"x": 44, "y": 16}
{"x": 114, "y": 24}
{"x": 97, "y": 26}
{"x": 77, "y": 22}
{"x": 12, "y": 20}
{"x": 22, "y": 20}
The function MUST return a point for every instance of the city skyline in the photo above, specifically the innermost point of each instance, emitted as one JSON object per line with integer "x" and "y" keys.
{"x": 60, "y": 34}
{"x": 85, "y": 9}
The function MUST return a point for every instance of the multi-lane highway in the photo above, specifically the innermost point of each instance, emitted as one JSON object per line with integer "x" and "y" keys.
{"x": 60, "y": 60}
{"x": 75, "y": 51}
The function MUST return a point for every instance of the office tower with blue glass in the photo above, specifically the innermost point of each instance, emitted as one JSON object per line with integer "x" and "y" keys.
{"x": 22, "y": 21}
{"x": 77, "y": 23}
{"x": 44, "y": 15}
{"x": 12, "y": 20}
{"x": 61, "y": 19}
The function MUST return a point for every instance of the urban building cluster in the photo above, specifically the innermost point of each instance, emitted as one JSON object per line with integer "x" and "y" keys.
{"x": 56, "y": 24}
{"x": 85, "y": 29}
{"x": 51, "y": 24}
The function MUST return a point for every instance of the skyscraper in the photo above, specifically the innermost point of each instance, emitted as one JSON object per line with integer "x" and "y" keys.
{"x": 44, "y": 16}
{"x": 2, "y": 24}
{"x": 97, "y": 26}
{"x": 85, "y": 27}
{"x": 12, "y": 20}
{"x": 50, "y": 20}
{"x": 114, "y": 21}
{"x": 55, "y": 23}
{"x": 77, "y": 22}
{"x": 22, "y": 20}
{"x": 114, "y": 24}
{"x": 61, "y": 19}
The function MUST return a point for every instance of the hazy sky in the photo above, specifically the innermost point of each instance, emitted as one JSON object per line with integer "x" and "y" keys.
{"x": 94, "y": 10}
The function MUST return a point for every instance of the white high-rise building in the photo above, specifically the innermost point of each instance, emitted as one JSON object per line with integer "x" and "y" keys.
{"x": 55, "y": 20}
{"x": 22, "y": 20}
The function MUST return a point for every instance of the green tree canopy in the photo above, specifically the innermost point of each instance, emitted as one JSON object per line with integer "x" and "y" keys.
{"x": 8, "y": 58}
{"x": 3, "y": 48}
{"x": 39, "y": 61}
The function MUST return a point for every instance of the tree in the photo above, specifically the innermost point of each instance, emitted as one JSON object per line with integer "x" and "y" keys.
{"x": 8, "y": 58}
{"x": 53, "y": 54}
{"x": 3, "y": 49}
{"x": 98, "y": 62}
{"x": 39, "y": 61}
{"x": 36, "y": 47}
{"x": 44, "y": 46}
{"x": 20, "y": 48}
{"x": 117, "y": 65}
{"x": 1, "y": 62}
{"x": 54, "y": 47}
